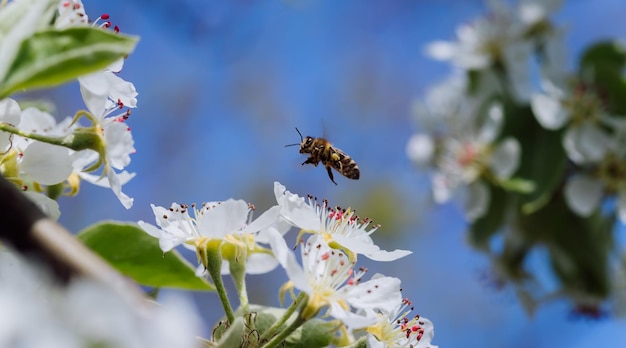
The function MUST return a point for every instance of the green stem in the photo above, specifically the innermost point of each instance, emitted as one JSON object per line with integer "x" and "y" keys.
{"x": 277, "y": 340}
{"x": 214, "y": 263}
{"x": 282, "y": 320}
{"x": 35, "y": 136}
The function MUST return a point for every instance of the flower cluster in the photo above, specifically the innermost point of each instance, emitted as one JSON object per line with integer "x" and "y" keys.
{"x": 464, "y": 116}
{"x": 47, "y": 158}
{"x": 521, "y": 140}
{"x": 326, "y": 276}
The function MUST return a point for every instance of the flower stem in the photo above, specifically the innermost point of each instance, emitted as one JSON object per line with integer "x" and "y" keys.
{"x": 277, "y": 340}
{"x": 35, "y": 136}
{"x": 214, "y": 266}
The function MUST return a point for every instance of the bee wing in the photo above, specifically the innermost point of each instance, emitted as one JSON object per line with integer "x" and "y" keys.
{"x": 343, "y": 163}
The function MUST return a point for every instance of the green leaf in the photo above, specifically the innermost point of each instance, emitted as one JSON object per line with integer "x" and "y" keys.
{"x": 52, "y": 57}
{"x": 542, "y": 162}
{"x": 314, "y": 333}
{"x": 137, "y": 255}
{"x": 579, "y": 248}
{"x": 486, "y": 226}
{"x": 604, "y": 63}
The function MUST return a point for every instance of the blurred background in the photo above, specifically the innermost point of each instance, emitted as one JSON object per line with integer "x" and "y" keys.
{"x": 222, "y": 85}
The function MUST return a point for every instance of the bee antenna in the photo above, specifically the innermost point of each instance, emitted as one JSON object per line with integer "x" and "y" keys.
{"x": 297, "y": 130}
{"x": 300, "y": 138}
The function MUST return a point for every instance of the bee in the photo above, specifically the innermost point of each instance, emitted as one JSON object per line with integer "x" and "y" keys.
{"x": 321, "y": 150}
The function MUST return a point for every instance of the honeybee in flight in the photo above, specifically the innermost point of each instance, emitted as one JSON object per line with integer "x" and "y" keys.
{"x": 322, "y": 150}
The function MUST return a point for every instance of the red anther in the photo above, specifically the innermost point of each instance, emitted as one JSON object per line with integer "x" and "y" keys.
{"x": 116, "y": 29}
{"x": 65, "y": 3}
{"x": 24, "y": 188}
{"x": 76, "y": 6}
{"x": 120, "y": 105}
{"x": 107, "y": 24}
{"x": 105, "y": 16}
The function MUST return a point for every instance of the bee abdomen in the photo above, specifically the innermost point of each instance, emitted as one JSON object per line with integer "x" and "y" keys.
{"x": 351, "y": 170}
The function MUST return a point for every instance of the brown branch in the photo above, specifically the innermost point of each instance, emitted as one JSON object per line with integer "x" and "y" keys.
{"x": 25, "y": 227}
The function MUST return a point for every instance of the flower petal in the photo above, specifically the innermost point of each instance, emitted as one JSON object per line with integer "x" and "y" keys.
{"x": 46, "y": 164}
{"x": 505, "y": 158}
{"x": 548, "y": 111}
{"x": 583, "y": 194}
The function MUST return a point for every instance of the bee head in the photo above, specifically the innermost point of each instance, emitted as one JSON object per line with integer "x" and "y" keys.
{"x": 305, "y": 145}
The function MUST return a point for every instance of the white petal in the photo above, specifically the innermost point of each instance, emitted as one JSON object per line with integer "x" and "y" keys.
{"x": 149, "y": 229}
{"x": 420, "y": 149}
{"x": 9, "y": 111}
{"x": 441, "y": 50}
{"x": 286, "y": 258}
{"x": 116, "y": 187}
{"x": 366, "y": 247}
{"x": 583, "y": 194}
{"x": 49, "y": 206}
{"x": 385, "y": 256}
{"x": 267, "y": 219}
{"x": 351, "y": 320}
{"x": 492, "y": 125}
{"x": 260, "y": 263}
{"x": 122, "y": 177}
{"x": 476, "y": 200}
{"x": 46, "y": 164}
{"x": 442, "y": 188}
{"x": 586, "y": 143}
{"x": 549, "y": 112}
{"x": 504, "y": 160}
{"x": 517, "y": 60}
{"x": 95, "y": 102}
{"x": 223, "y": 218}
{"x": 119, "y": 144}
{"x": 116, "y": 66}
{"x": 9, "y": 114}
{"x": 296, "y": 210}
{"x": 379, "y": 292}
{"x": 119, "y": 89}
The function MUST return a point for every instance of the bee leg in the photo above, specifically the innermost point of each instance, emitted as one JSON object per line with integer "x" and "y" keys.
{"x": 310, "y": 160}
{"x": 330, "y": 175}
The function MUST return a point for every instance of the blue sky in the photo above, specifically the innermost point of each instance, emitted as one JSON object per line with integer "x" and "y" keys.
{"x": 222, "y": 86}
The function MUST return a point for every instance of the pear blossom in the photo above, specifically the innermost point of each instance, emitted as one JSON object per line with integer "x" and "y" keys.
{"x": 494, "y": 41}
{"x": 338, "y": 226}
{"x": 585, "y": 191}
{"x": 226, "y": 221}
{"x": 579, "y": 109}
{"x": 393, "y": 329}
{"x": 41, "y": 162}
{"x": 327, "y": 275}
{"x": 466, "y": 158}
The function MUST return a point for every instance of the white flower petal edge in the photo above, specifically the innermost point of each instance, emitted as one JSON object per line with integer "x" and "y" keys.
{"x": 505, "y": 158}
{"x": 340, "y": 226}
{"x": 548, "y": 111}
{"x": 583, "y": 194}
{"x": 9, "y": 113}
{"x": 295, "y": 209}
